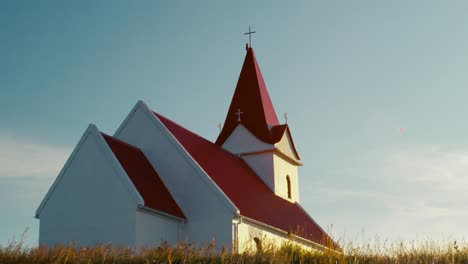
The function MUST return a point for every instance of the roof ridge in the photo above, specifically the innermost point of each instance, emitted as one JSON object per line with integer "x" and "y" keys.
{"x": 194, "y": 134}
{"x": 260, "y": 79}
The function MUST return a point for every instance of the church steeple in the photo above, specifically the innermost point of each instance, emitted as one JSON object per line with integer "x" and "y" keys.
{"x": 251, "y": 98}
{"x": 252, "y": 132}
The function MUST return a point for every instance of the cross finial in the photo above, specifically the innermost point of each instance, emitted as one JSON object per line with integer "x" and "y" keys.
{"x": 286, "y": 117}
{"x": 250, "y": 34}
{"x": 238, "y": 113}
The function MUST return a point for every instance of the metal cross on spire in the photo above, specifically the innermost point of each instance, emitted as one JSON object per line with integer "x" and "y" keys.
{"x": 286, "y": 117}
{"x": 238, "y": 114}
{"x": 250, "y": 34}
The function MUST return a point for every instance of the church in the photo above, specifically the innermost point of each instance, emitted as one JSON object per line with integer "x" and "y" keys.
{"x": 155, "y": 181}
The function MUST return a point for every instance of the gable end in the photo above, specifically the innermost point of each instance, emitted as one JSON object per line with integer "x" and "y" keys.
{"x": 92, "y": 131}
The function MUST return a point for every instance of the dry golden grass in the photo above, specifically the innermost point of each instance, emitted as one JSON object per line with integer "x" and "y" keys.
{"x": 429, "y": 252}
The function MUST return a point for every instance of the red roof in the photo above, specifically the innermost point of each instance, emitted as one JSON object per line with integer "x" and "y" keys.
{"x": 144, "y": 177}
{"x": 252, "y": 98}
{"x": 277, "y": 132}
{"x": 244, "y": 188}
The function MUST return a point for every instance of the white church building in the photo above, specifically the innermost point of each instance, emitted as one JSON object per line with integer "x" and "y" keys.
{"x": 155, "y": 181}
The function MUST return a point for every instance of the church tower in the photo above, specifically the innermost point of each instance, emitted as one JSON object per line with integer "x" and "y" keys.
{"x": 252, "y": 131}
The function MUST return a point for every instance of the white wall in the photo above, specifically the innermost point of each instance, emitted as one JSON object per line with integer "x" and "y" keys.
{"x": 285, "y": 145}
{"x": 270, "y": 238}
{"x": 282, "y": 169}
{"x": 153, "y": 228}
{"x": 273, "y": 169}
{"x": 242, "y": 141}
{"x": 208, "y": 211}
{"x": 90, "y": 204}
{"x": 262, "y": 164}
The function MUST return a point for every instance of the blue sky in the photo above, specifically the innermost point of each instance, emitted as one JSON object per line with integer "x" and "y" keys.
{"x": 375, "y": 94}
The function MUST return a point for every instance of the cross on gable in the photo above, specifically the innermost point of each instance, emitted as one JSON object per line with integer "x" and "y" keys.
{"x": 238, "y": 113}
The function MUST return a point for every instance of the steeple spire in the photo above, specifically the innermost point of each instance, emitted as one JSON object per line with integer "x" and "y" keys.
{"x": 251, "y": 96}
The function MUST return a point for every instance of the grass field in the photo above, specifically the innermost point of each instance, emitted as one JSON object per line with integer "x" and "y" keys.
{"x": 409, "y": 252}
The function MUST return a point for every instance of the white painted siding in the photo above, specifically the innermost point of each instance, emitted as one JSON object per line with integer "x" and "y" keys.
{"x": 209, "y": 212}
{"x": 273, "y": 170}
{"x": 242, "y": 141}
{"x": 269, "y": 238}
{"x": 282, "y": 169}
{"x": 152, "y": 229}
{"x": 285, "y": 145}
{"x": 262, "y": 164}
{"x": 90, "y": 204}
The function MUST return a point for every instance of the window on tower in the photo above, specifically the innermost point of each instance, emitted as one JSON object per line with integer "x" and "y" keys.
{"x": 288, "y": 180}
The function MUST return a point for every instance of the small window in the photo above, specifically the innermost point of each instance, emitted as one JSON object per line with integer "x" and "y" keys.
{"x": 258, "y": 244}
{"x": 288, "y": 180}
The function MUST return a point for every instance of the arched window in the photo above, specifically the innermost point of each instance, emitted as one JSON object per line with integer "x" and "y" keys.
{"x": 288, "y": 180}
{"x": 258, "y": 244}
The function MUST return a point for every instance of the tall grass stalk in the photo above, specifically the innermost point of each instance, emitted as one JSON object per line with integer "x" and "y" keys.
{"x": 450, "y": 252}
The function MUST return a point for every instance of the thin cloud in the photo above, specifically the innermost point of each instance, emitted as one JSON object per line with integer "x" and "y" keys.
{"x": 26, "y": 158}
{"x": 409, "y": 193}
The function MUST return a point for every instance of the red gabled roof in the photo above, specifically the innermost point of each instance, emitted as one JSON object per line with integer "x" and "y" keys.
{"x": 277, "y": 132}
{"x": 252, "y": 98}
{"x": 144, "y": 177}
{"x": 244, "y": 188}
